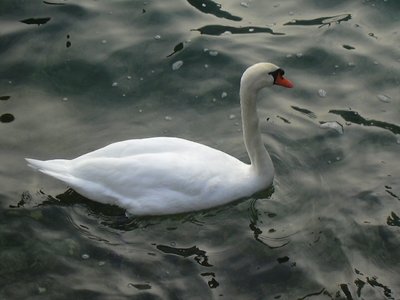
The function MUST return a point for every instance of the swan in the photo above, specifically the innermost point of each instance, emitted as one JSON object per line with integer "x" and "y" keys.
{"x": 168, "y": 175}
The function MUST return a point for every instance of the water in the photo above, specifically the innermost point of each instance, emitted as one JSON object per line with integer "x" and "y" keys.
{"x": 77, "y": 75}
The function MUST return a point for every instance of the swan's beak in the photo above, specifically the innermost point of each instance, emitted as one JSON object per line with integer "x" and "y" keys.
{"x": 280, "y": 80}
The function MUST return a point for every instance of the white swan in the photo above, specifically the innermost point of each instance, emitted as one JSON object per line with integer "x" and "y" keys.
{"x": 164, "y": 175}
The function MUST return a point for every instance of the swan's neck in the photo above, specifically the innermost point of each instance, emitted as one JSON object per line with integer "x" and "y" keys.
{"x": 260, "y": 160}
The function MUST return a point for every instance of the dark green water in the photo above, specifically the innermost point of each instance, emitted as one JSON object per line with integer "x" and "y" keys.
{"x": 78, "y": 75}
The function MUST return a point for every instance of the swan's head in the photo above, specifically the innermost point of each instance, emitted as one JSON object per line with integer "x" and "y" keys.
{"x": 263, "y": 75}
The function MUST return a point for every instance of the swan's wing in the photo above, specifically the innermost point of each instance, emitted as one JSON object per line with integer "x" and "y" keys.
{"x": 160, "y": 183}
{"x": 143, "y": 146}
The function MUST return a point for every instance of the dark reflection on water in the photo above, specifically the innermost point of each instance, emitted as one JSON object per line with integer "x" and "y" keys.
{"x": 36, "y": 21}
{"x": 388, "y": 190}
{"x": 54, "y": 3}
{"x": 177, "y": 48}
{"x": 348, "y": 47}
{"x": 7, "y": 118}
{"x": 221, "y": 29}
{"x": 68, "y": 43}
{"x": 211, "y": 7}
{"x": 393, "y": 220}
{"x": 305, "y": 111}
{"x": 321, "y": 21}
{"x": 273, "y": 239}
{"x": 199, "y": 255}
{"x": 141, "y": 286}
{"x": 354, "y": 117}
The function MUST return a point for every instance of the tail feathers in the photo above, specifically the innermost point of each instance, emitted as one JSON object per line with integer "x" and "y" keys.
{"x": 57, "y": 168}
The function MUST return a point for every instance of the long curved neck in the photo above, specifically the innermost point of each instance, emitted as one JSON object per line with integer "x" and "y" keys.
{"x": 260, "y": 160}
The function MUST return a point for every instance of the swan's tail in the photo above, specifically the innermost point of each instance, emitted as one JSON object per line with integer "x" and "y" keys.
{"x": 57, "y": 168}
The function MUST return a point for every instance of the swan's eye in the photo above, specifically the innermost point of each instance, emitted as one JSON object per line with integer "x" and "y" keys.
{"x": 277, "y": 73}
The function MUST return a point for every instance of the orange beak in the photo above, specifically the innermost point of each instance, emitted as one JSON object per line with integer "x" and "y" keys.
{"x": 280, "y": 80}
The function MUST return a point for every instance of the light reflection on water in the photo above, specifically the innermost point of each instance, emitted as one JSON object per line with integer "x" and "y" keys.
{"x": 77, "y": 76}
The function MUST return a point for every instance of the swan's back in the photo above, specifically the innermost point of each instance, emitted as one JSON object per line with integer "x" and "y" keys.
{"x": 145, "y": 146}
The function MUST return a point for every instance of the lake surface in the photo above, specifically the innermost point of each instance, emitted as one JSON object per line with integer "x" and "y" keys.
{"x": 78, "y": 75}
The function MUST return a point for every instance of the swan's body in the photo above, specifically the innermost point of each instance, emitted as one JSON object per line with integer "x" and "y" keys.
{"x": 162, "y": 175}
